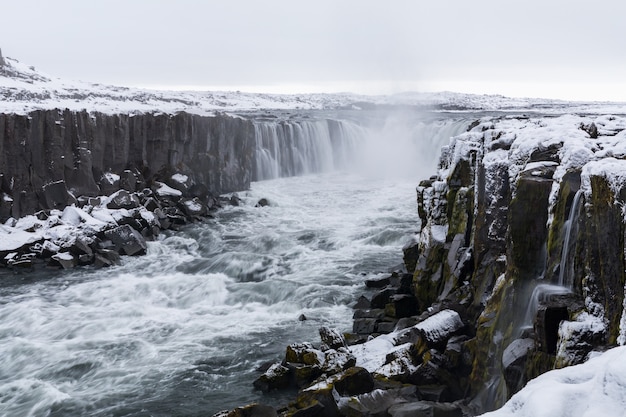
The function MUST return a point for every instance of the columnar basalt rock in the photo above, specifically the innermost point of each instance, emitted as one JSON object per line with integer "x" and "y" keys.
{"x": 86, "y": 150}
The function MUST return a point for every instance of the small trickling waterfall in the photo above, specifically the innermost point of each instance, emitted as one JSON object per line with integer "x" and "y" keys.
{"x": 541, "y": 293}
{"x": 566, "y": 272}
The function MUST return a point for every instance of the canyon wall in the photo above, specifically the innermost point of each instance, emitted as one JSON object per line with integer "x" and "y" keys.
{"x": 91, "y": 152}
{"x": 523, "y": 233}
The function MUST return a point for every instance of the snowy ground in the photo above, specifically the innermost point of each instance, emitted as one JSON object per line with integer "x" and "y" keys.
{"x": 24, "y": 89}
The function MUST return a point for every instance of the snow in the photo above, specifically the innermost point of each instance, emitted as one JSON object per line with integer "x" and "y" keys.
{"x": 23, "y": 89}
{"x": 372, "y": 354}
{"x": 165, "y": 189}
{"x": 111, "y": 177}
{"x": 193, "y": 206}
{"x": 63, "y": 256}
{"x": 440, "y": 326}
{"x": 439, "y": 232}
{"x": 613, "y": 170}
{"x": 180, "y": 178}
{"x": 594, "y": 388}
{"x": 13, "y": 238}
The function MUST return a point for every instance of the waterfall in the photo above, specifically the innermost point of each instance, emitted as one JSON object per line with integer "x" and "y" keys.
{"x": 291, "y": 148}
{"x": 566, "y": 272}
{"x": 541, "y": 293}
{"x": 397, "y": 145}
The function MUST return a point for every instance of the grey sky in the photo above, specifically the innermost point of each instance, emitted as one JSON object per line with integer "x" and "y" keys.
{"x": 569, "y": 49}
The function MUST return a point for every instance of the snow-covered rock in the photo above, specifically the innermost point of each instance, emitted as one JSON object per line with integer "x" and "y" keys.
{"x": 594, "y": 388}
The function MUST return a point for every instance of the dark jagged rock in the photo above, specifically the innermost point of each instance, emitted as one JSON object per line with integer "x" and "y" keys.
{"x": 276, "y": 377}
{"x": 331, "y": 339}
{"x": 122, "y": 199}
{"x": 106, "y": 257}
{"x": 379, "y": 282}
{"x": 353, "y": 381}
{"x": 56, "y": 196}
{"x": 264, "y": 202}
{"x": 381, "y": 298}
{"x": 127, "y": 240}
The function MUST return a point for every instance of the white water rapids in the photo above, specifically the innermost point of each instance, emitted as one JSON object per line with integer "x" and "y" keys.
{"x": 180, "y": 331}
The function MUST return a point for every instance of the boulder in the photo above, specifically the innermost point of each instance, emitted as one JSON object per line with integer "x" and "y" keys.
{"x": 264, "y": 202}
{"x": 331, "y": 339}
{"x": 401, "y": 363}
{"x": 514, "y": 360}
{"x": 122, "y": 199}
{"x": 362, "y": 302}
{"x": 382, "y": 297}
{"x": 379, "y": 282}
{"x": 193, "y": 207}
{"x": 65, "y": 259}
{"x": 338, "y": 360}
{"x": 109, "y": 183}
{"x": 106, "y": 257}
{"x": 56, "y": 196}
{"x": 276, "y": 377}
{"x": 576, "y": 339}
{"x": 437, "y": 329}
{"x": 364, "y": 326}
{"x": 304, "y": 353}
{"x": 128, "y": 181}
{"x": 401, "y": 305}
{"x": 127, "y": 240}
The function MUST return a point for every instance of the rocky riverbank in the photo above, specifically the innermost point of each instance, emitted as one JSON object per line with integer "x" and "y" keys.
{"x": 97, "y": 230}
{"x": 518, "y": 269}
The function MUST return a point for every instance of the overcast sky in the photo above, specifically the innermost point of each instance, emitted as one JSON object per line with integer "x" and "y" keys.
{"x": 549, "y": 48}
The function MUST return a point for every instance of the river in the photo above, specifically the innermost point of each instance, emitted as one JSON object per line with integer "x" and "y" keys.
{"x": 182, "y": 330}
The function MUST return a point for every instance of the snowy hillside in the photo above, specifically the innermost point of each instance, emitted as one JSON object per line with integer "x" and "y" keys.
{"x": 23, "y": 89}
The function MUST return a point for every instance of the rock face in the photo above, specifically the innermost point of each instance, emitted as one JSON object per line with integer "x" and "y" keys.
{"x": 540, "y": 272}
{"x": 519, "y": 268}
{"x": 96, "y": 154}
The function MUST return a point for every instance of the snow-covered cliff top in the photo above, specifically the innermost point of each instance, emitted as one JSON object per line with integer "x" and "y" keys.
{"x": 24, "y": 89}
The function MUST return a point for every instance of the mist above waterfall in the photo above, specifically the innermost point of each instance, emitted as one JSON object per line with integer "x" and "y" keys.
{"x": 375, "y": 144}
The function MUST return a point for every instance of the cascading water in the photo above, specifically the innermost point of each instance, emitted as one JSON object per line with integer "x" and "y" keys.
{"x": 566, "y": 271}
{"x": 291, "y": 148}
{"x": 541, "y": 293}
{"x": 402, "y": 144}
{"x": 180, "y": 331}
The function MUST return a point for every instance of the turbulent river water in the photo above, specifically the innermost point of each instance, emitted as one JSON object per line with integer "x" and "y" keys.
{"x": 182, "y": 330}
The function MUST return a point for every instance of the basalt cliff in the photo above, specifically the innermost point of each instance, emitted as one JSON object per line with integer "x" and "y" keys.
{"x": 91, "y": 152}
{"x": 518, "y": 270}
